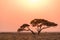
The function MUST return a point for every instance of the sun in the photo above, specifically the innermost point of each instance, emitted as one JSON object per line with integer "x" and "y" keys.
{"x": 34, "y": 4}
{"x": 33, "y": 1}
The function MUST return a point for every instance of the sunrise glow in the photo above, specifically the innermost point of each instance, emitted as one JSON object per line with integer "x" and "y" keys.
{"x": 33, "y": 1}
{"x": 14, "y": 13}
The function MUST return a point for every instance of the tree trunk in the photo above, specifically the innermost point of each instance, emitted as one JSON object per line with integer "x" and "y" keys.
{"x": 39, "y": 32}
{"x": 31, "y": 31}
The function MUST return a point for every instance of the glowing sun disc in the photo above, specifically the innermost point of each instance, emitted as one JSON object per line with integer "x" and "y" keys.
{"x": 33, "y": 1}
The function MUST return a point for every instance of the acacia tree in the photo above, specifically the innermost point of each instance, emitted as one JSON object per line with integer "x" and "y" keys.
{"x": 42, "y": 24}
{"x": 39, "y": 23}
{"x": 22, "y": 28}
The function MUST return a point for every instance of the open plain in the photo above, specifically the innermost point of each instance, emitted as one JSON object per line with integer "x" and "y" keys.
{"x": 29, "y": 36}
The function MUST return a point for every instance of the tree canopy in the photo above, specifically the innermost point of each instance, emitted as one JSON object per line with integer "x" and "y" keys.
{"x": 39, "y": 23}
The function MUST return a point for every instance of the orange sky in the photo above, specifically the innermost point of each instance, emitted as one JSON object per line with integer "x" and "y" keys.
{"x": 14, "y": 13}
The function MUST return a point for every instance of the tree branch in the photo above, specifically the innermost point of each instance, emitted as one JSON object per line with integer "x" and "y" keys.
{"x": 44, "y": 28}
{"x": 31, "y": 31}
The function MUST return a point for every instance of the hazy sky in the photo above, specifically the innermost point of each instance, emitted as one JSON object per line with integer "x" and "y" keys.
{"x": 14, "y": 13}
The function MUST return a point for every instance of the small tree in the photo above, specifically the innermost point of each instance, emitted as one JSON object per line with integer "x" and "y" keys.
{"x": 42, "y": 24}
{"x": 24, "y": 26}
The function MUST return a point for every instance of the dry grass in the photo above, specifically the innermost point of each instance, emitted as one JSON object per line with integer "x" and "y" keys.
{"x": 29, "y": 36}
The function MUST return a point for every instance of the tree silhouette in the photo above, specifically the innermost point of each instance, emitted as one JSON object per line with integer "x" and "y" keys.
{"x": 24, "y": 26}
{"x": 39, "y": 23}
{"x": 42, "y": 24}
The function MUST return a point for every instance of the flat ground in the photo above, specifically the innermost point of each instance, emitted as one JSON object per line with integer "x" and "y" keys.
{"x": 28, "y": 36}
